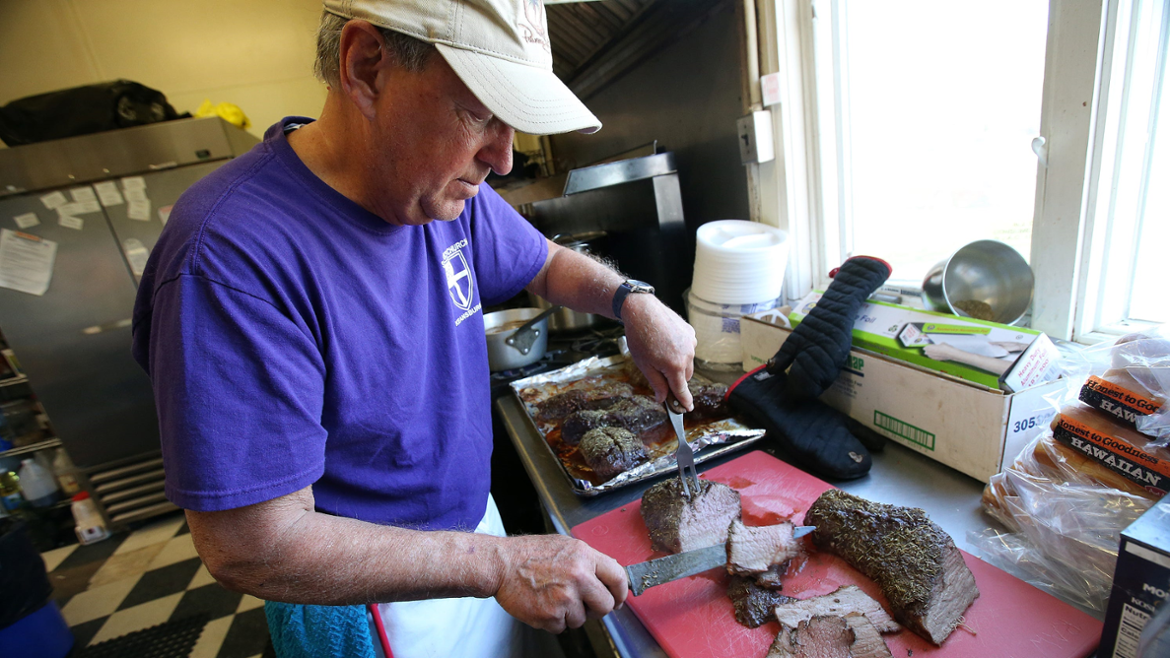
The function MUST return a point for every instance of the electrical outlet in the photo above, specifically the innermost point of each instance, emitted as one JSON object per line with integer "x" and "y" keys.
{"x": 755, "y": 138}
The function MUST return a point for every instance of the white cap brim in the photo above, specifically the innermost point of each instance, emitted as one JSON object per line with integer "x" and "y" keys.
{"x": 527, "y": 98}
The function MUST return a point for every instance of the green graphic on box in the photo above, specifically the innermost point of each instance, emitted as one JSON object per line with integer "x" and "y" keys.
{"x": 970, "y": 349}
{"x": 904, "y": 430}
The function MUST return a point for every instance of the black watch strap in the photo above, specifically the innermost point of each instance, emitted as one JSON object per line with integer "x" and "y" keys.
{"x": 624, "y": 290}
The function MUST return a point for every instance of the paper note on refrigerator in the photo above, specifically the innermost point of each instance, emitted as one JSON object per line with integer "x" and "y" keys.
{"x": 26, "y": 262}
{"x": 69, "y": 221}
{"x": 136, "y": 255}
{"x": 135, "y": 194}
{"x": 83, "y": 194}
{"x": 133, "y": 183}
{"x": 54, "y": 200}
{"x": 108, "y": 193}
{"x": 139, "y": 210}
{"x": 27, "y": 220}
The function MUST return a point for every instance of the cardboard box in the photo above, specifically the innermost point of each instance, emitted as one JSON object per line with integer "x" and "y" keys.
{"x": 1141, "y": 582}
{"x": 968, "y": 426}
{"x": 995, "y": 355}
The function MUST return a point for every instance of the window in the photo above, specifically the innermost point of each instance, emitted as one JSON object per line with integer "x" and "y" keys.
{"x": 934, "y": 106}
{"x": 908, "y": 129}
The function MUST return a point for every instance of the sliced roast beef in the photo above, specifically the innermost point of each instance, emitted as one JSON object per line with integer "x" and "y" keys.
{"x": 772, "y": 577}
{"x": 917, "y": 565}
{"x": 867, "y": 641}
{"x": 612, "y": 450}
{"x": 841, "y": 602}
{"x": 755, "y": 550}
{"x": 753, "y": 604}
{"x": 818, "y": 637}
{"x": 636, "y": 413}
{"x": 678, "y": 523}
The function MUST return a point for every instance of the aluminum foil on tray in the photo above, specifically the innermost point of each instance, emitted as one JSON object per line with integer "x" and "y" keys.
{"x": 709, "y": 438}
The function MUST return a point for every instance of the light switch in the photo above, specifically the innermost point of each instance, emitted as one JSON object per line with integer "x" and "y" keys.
{"x": 755, "y": 138}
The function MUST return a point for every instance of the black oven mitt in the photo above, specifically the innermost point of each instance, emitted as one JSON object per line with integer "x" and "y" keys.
{"x": 818, "y": 348}
{"x": 812, "y": 434}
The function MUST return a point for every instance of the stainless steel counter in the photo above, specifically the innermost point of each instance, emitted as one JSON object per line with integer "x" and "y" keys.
{"x": 899, "y": 477}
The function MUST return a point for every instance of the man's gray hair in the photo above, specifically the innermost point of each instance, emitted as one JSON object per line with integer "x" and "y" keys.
{"x": 410, "y": 53}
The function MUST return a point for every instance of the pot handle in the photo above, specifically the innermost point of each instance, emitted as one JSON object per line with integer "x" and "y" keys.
{"x": 522, "y": 339}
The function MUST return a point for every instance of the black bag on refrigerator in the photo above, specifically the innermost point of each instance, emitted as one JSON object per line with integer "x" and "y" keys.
{"x": 82, "y": 111}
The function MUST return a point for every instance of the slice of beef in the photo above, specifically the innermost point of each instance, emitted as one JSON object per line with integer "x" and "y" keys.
{"x": 867, "y": 641}
{"x": 915, "y": 562}
{"x": 636, "y": 413}
{"x": 842, "y": 601}
{"x": 602, "y": 397}
{"x": 753, "y": 604}
{"x": 708, "y": 400}
{"x": 772, "y": 578}
{"x": 819, "y": 637}
{"x": 678, "y": 523}
{"x": 754, "y": 550}
{"x": 611, "y": 450}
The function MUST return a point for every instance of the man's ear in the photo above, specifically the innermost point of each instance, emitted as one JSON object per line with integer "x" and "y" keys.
{"x": 362, "y": 59}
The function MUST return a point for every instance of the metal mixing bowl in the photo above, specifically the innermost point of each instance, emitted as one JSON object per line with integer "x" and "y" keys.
{"x": 985, "y": 271}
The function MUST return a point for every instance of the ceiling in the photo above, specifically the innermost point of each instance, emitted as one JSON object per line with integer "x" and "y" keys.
{"x": 594, "y": 43}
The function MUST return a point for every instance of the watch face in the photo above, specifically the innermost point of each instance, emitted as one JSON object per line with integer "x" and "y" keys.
{"x": 639, "y": 286}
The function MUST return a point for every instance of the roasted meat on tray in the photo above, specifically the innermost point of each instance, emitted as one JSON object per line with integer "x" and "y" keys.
{"x": 635, "y": 413}
{"x": 611, "y": 450}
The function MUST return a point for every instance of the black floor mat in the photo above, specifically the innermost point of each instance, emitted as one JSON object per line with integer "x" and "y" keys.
{"x": 174, "y": 639}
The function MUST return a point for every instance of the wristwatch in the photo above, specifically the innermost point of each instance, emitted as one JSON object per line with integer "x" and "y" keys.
{"x": 624, "y": 290}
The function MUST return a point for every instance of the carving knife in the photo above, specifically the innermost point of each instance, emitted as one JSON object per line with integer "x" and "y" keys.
{"x": 644, "y": 575}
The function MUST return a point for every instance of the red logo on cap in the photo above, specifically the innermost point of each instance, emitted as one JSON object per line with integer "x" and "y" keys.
{"x": 534, "y": 32}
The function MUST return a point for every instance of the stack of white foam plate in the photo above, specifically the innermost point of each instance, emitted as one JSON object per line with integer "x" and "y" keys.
{"x": 738, "y": 262}
{"x": 739, "y": 269}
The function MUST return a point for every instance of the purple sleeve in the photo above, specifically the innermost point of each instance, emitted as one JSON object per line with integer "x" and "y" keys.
{"x": 508, "y": 251}
{"x": 239, "y": 389}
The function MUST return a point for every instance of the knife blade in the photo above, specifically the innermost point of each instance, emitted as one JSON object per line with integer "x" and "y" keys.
{"x": 644, "y": 575}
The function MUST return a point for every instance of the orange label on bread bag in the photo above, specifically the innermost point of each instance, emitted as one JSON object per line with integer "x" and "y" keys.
{"x": 1119, "y": 455}
{"x": 1130, "y": 399}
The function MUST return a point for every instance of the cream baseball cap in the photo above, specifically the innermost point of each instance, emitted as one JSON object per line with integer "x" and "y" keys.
{"x": 499, "y": 48}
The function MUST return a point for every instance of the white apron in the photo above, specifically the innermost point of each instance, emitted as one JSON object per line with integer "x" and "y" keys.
{"x": 466, "y": 627}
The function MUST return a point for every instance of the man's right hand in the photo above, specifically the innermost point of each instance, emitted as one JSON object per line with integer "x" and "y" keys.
{"x": 553, "y": 582}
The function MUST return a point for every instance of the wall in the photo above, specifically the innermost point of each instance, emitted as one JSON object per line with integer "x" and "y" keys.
{"x": 256, "y": 54}
{"x": 688, "y": 98}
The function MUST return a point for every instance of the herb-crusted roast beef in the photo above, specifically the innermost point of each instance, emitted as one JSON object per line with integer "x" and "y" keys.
{"x": 611, "y": 450}
{"x": 678, "y": 524}
{"x": 636, "y": 413}
{"x": 915, "y": 562}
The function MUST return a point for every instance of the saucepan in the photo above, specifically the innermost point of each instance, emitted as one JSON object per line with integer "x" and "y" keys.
{"x": 516, "y": 337}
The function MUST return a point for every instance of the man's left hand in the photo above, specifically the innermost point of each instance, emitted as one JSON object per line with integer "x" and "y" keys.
{"x": 662, "y": 345}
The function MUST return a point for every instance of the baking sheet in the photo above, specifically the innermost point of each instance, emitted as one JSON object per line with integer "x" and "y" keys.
{"x": 709, "y": 438}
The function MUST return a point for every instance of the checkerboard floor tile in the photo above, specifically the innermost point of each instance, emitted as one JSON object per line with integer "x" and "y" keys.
{"x": 152, "y": 575}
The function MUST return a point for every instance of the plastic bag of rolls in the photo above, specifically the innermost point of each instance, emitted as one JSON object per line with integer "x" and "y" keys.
{"x": 1101, "y": 464}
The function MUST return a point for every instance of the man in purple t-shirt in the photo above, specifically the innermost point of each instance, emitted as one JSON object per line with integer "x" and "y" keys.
{"x": 312, "y": 323}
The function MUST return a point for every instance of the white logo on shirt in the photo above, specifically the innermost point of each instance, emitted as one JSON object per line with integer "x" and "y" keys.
{"x": 460, "y": 284}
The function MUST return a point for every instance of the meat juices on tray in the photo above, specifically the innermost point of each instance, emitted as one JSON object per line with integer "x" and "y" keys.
{"x": 678, "y": 523}
{"x": 920, "y": 571}
{"x": 611, "y": 450}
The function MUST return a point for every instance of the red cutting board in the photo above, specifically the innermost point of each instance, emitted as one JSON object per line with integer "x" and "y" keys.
{"x": 693, "y": 618}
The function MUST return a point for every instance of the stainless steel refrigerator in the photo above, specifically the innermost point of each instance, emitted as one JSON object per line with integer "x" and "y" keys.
{"x": 83, "y": 213}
